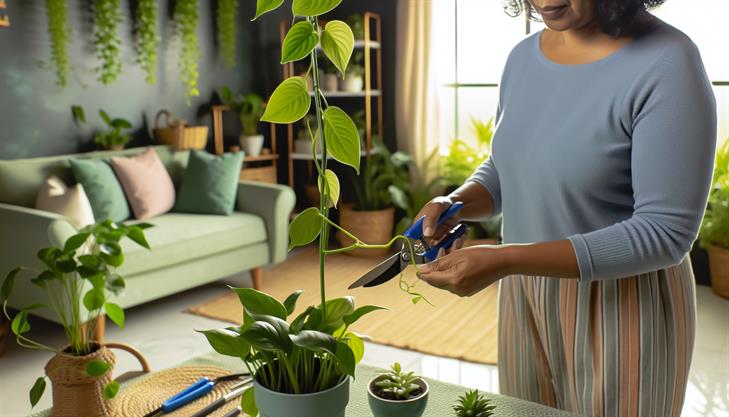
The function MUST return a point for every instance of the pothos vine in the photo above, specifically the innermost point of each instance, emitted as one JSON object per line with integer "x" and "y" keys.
{"x": 186, "y": 20}
{"x": 57, "y": 14}
{"x": 107, "y": 16}
{"x": 226, "y": 18}
{"x": 147, "y": 40}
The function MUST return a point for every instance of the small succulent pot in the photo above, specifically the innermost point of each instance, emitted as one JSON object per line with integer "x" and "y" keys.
{"x": 386, "y": 407}
{"x": 330, "y": 403}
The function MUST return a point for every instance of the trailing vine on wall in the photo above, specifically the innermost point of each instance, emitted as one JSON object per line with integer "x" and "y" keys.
{"x": 107, "y": 16}
{"x": 186, "y": 20}
{"x": 147, "y": 38}
{"x": 58, "y": 30}
{"x": 227, "y": 16}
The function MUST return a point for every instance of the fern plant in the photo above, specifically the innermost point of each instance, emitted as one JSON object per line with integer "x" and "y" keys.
{"x": 147, "y": 38}
{"x": 226, "y": 18}
{"x": 473, "y": 404}
{"x": 186, "y": 21}
{"x": 107, "y": 16}
{"x": 58, "y": 30}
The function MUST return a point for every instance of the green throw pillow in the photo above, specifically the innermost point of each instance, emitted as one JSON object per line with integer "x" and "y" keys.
{"x": 103, "y": 189}
{"x": 210, "y": 183}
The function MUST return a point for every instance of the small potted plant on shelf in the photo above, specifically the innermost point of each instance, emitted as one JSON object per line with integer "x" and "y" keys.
{"x": 329, "y": 79}
{"x": 473, "y": 404}
{"x": 114, "y": 139}
{"x": 79, "y": 279}
{"x": 396, "y": 393}
{"x": 250, "y": 108}
{"x": 353, "y": 82}
{"x": 714, "y": 233}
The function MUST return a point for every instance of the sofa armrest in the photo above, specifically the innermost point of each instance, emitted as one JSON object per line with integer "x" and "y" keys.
{"x": 274, "y": 204}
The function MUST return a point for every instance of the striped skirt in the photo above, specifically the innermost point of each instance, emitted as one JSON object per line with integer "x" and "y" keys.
{"x": 607, "y": 348}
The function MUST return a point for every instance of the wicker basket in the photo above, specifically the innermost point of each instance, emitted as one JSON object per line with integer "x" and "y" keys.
{"x": 177, "y": 134}
{"x": 373, "y": 227}
{"x": 719, "y": 267}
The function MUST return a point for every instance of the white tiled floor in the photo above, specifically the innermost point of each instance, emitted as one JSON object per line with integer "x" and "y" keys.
{"x": 163, "y": 332}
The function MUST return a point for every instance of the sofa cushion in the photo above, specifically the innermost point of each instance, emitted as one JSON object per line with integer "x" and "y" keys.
{"x": 210, "y": 183}
{"x": 146, "y": 184}
{"x": 72, "y": 202}
{"x": 103, "y": 189}
{"x": 179, "y": 237}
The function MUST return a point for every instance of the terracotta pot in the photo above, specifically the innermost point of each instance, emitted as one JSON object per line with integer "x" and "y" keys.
{"x": 719, "y": 267}
{"x": 4, "y": 333}
{"x": 373, "y": 227}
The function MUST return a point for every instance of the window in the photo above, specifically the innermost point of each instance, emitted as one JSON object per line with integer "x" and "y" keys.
{"x": 474, "y": 37}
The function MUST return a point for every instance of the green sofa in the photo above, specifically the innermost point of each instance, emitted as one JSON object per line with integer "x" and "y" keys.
{"x": 188, "y": 250}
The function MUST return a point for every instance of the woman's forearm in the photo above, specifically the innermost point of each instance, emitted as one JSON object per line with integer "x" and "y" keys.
{"x": 477, "y": 201}
{"x": 551, "y": 259}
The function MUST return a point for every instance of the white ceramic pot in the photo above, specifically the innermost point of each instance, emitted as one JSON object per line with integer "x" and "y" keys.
{"x": 329, "y": 82}
{"x": 251, "y": 145}
{"x": 304, "y": 146}
{"x": 351, "y": 84}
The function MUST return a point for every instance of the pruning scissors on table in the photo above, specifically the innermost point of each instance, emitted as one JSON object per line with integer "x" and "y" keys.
{"x": 201, "y": 387}
{"x": 392, "y": 266}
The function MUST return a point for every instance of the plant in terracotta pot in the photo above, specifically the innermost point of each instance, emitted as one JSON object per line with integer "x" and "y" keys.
{"x": 714, "y": 233}
{"x": 396, "y": 393}
{"x": 79, "y": 279}
{"x": 250, "y": 108}
{"x": 473, "y": 404}
{"x": 303, "y": 362}
{"x": 114, "y": 138}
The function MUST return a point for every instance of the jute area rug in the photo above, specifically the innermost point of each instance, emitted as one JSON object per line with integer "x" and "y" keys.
{"x": 460, "y": 328}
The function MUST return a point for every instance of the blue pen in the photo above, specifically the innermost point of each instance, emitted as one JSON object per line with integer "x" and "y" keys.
{"x": 200, "y": 388}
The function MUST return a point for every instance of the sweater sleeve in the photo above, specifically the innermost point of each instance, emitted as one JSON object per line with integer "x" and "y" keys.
{"x": 673, "y": 141}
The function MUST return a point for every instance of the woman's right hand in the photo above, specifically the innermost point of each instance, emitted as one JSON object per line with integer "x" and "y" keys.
{"x": 432, "y": 211}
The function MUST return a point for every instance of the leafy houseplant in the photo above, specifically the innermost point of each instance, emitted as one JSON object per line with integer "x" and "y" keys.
{"x": 107, "y": 16}
{"x": 250, "y": 108}
{"x": 714, "y": 232}
{"x": 114, "y": 138}
{"x": 186, "y": 21}
{"x": 356, "y": 22}
{"x": 396, "y": 393}
{"x": 227, "y": 15}
{"x": 316, "y": 352}
{"x": 147, "y": 38}
{"x": 473, "y": 404}
{"x": 80, "y": 275}
{"x": 59, "y": 32}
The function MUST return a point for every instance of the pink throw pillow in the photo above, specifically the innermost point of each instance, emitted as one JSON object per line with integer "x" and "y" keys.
{"x": 146, "y": 183}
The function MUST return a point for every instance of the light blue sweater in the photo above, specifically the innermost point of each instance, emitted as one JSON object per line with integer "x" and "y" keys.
{"x": 615, "y": 155}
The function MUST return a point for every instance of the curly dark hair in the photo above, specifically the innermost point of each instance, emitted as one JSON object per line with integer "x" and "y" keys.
{"x": 615, "y": 17}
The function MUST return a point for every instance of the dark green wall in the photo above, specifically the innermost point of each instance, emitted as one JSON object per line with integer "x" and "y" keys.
{"x": 35, "y": 114}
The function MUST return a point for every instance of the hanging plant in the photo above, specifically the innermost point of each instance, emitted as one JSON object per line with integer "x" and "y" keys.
{"x": 107, "y": 16}
{"x": 57, "y": 13}
{"x": 147, "y": 38}
{"x": 186, "y": 19}
{"x": 227, "y": 16}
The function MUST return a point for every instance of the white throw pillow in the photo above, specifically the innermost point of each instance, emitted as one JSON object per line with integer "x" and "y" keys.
{"x": 56, "y": 197}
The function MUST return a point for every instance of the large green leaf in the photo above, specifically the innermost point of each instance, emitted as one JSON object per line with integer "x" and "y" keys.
{"x": 97, "y": 368}
{"x": 115, "y": 314}
{"x": 36, "y": 392}
{"x": 48, "y": 256}
{"x": 265, "y": 6}
{"x": 337, "y": 41}
{"x": 314, "y": 7}
{"x": 290, "y": 301}
{"x": 346, "y": 358}
{"x": 356, "y": 344}
{"x": 136, "y": 234}
{"x": 305, "y": 227}
{"x": 248, "y": 403}
{"x": 110, "y": 390}
{"x": 333, "y": 183}
{"x": 315, "y": 341}
{"x": 258, "y": 303}
{"x": 94, "y": 299}
{"x": 299, "y": 42}
{"x": 398, "y": 197}
{"x": 9, "y": 284}
{"x": 289, "y": 103}
{"x": 265, "y": 336}
{"x": 74, "y": 242}
{"x": 299, "y": 321}
{"x": 20, "y": 323}
{"x": 351, "y": 318}
{"x": 342, "y": 137}
{"x": 227, "y": 342}
{"x": 337, "y": 309}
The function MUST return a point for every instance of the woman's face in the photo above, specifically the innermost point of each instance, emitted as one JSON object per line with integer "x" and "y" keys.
{"x": 560, "y": 15}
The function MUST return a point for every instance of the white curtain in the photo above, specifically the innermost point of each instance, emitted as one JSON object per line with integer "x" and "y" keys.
{"x": 416, "y": 100}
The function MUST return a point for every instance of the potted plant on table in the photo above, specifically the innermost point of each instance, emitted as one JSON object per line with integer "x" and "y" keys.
{"x": 473, "y": 404}
{"x": 114, "y": 139}
{"x": 303, "y": 362}
{"x": 396, "y": 393}
{"x": 250, "y": 108}
{"x": 80, "y": 275}
{"x": 714, "y": 233}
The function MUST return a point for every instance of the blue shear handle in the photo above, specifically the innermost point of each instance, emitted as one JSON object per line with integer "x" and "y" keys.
{"x": 416, "y": 230}
{"x": 190, "y": 394}
{"x": 446, "y": 243}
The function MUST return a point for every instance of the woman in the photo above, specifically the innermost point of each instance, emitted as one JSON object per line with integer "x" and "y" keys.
{"x": 601, "y": 165}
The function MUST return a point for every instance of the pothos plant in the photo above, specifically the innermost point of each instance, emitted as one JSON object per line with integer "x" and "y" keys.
{"x": 80, "y": 274}
{"x": 59, "y": 32}
{"x": 315, "y": 351}
{"x": 107, "y": 16}
{"x": 227, "y": 15}
{"x": 186, "y": 21}
{"x": 147, "y": 39}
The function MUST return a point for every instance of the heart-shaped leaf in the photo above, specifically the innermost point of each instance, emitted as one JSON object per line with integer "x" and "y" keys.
{"x": 289, "y": 103}
{"x": 49, "y": 255}
{"x": 115, "y": 314}
{"x": 89, "y": 261}
{"x": 265, "y": 336}
{"x": 265, "y": 6}
{"x": 136, "y": 234}
{"x": 333, "y": 187}
{"x": 9, "y": 284}
{"x": 97, "y": 368}
{"x": 342, "y": 137}
{"x": 336, "y": 310}
{"x": 74, "y": 242}
{"x": 258, "y": 303}
{"x": 305, "y": 227}
{"x": 248, "y": 403}
{"x": 356, "y": 344}
{"x": 314, "y": 7}
{"x": 20, "y": 323}
{"x": 36, "y": 392}
{"x": 290, "y": 302}
{"x": 110, "y": 390}
{"x": 299, "y": 321}
{"x": 315, "y": 341}
{"x": 337, "y": 41}
{"x": 346, "y": 358}
{"x": 299, "y": 42}
{"x": 94, "y": 299}
{"x": 227, "y": 342}
{"x": 358, "y": 313}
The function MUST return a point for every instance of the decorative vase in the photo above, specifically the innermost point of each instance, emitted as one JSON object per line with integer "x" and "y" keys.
{"x": 251, "y": 145}
{"x": 382, "y": 407}
{"x": 330, "y": 403}
{"x": 373, "y": 227}
{"x": 719, "y": 268}
{"x": 351, "y": 83}
{"x": 329, "y": 82}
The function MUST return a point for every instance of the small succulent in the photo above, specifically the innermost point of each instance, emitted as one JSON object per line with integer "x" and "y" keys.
{"x": 398, "y": 384}
{"x": 473, "y": 404}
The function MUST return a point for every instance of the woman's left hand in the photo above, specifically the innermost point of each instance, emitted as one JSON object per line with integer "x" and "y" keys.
{"x": 467, "y": 271}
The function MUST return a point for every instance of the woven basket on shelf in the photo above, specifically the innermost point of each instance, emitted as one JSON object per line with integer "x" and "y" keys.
{"x": 373, "y": 227}
{"x": 719, "y": 267}
{"x": 177, "y": 134}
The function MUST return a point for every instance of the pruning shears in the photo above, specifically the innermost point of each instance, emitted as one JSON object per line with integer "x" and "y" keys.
{"x": 423, "y": 253}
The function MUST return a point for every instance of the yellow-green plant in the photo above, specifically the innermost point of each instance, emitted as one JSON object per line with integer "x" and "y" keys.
{"x": 715, "y": 226}
{"x": 147, "y": 38}
{"x": 462, "y": 159}
{"x": 473, "y": 404}
{"x": 226, "y": 19}
{"x": 58, "y": 30}
{"x": 107, "y": 16}
{"x": 186, "y": 21}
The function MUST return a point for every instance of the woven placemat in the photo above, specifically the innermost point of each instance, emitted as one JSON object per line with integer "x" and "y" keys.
{"x": 143, "y": 396}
